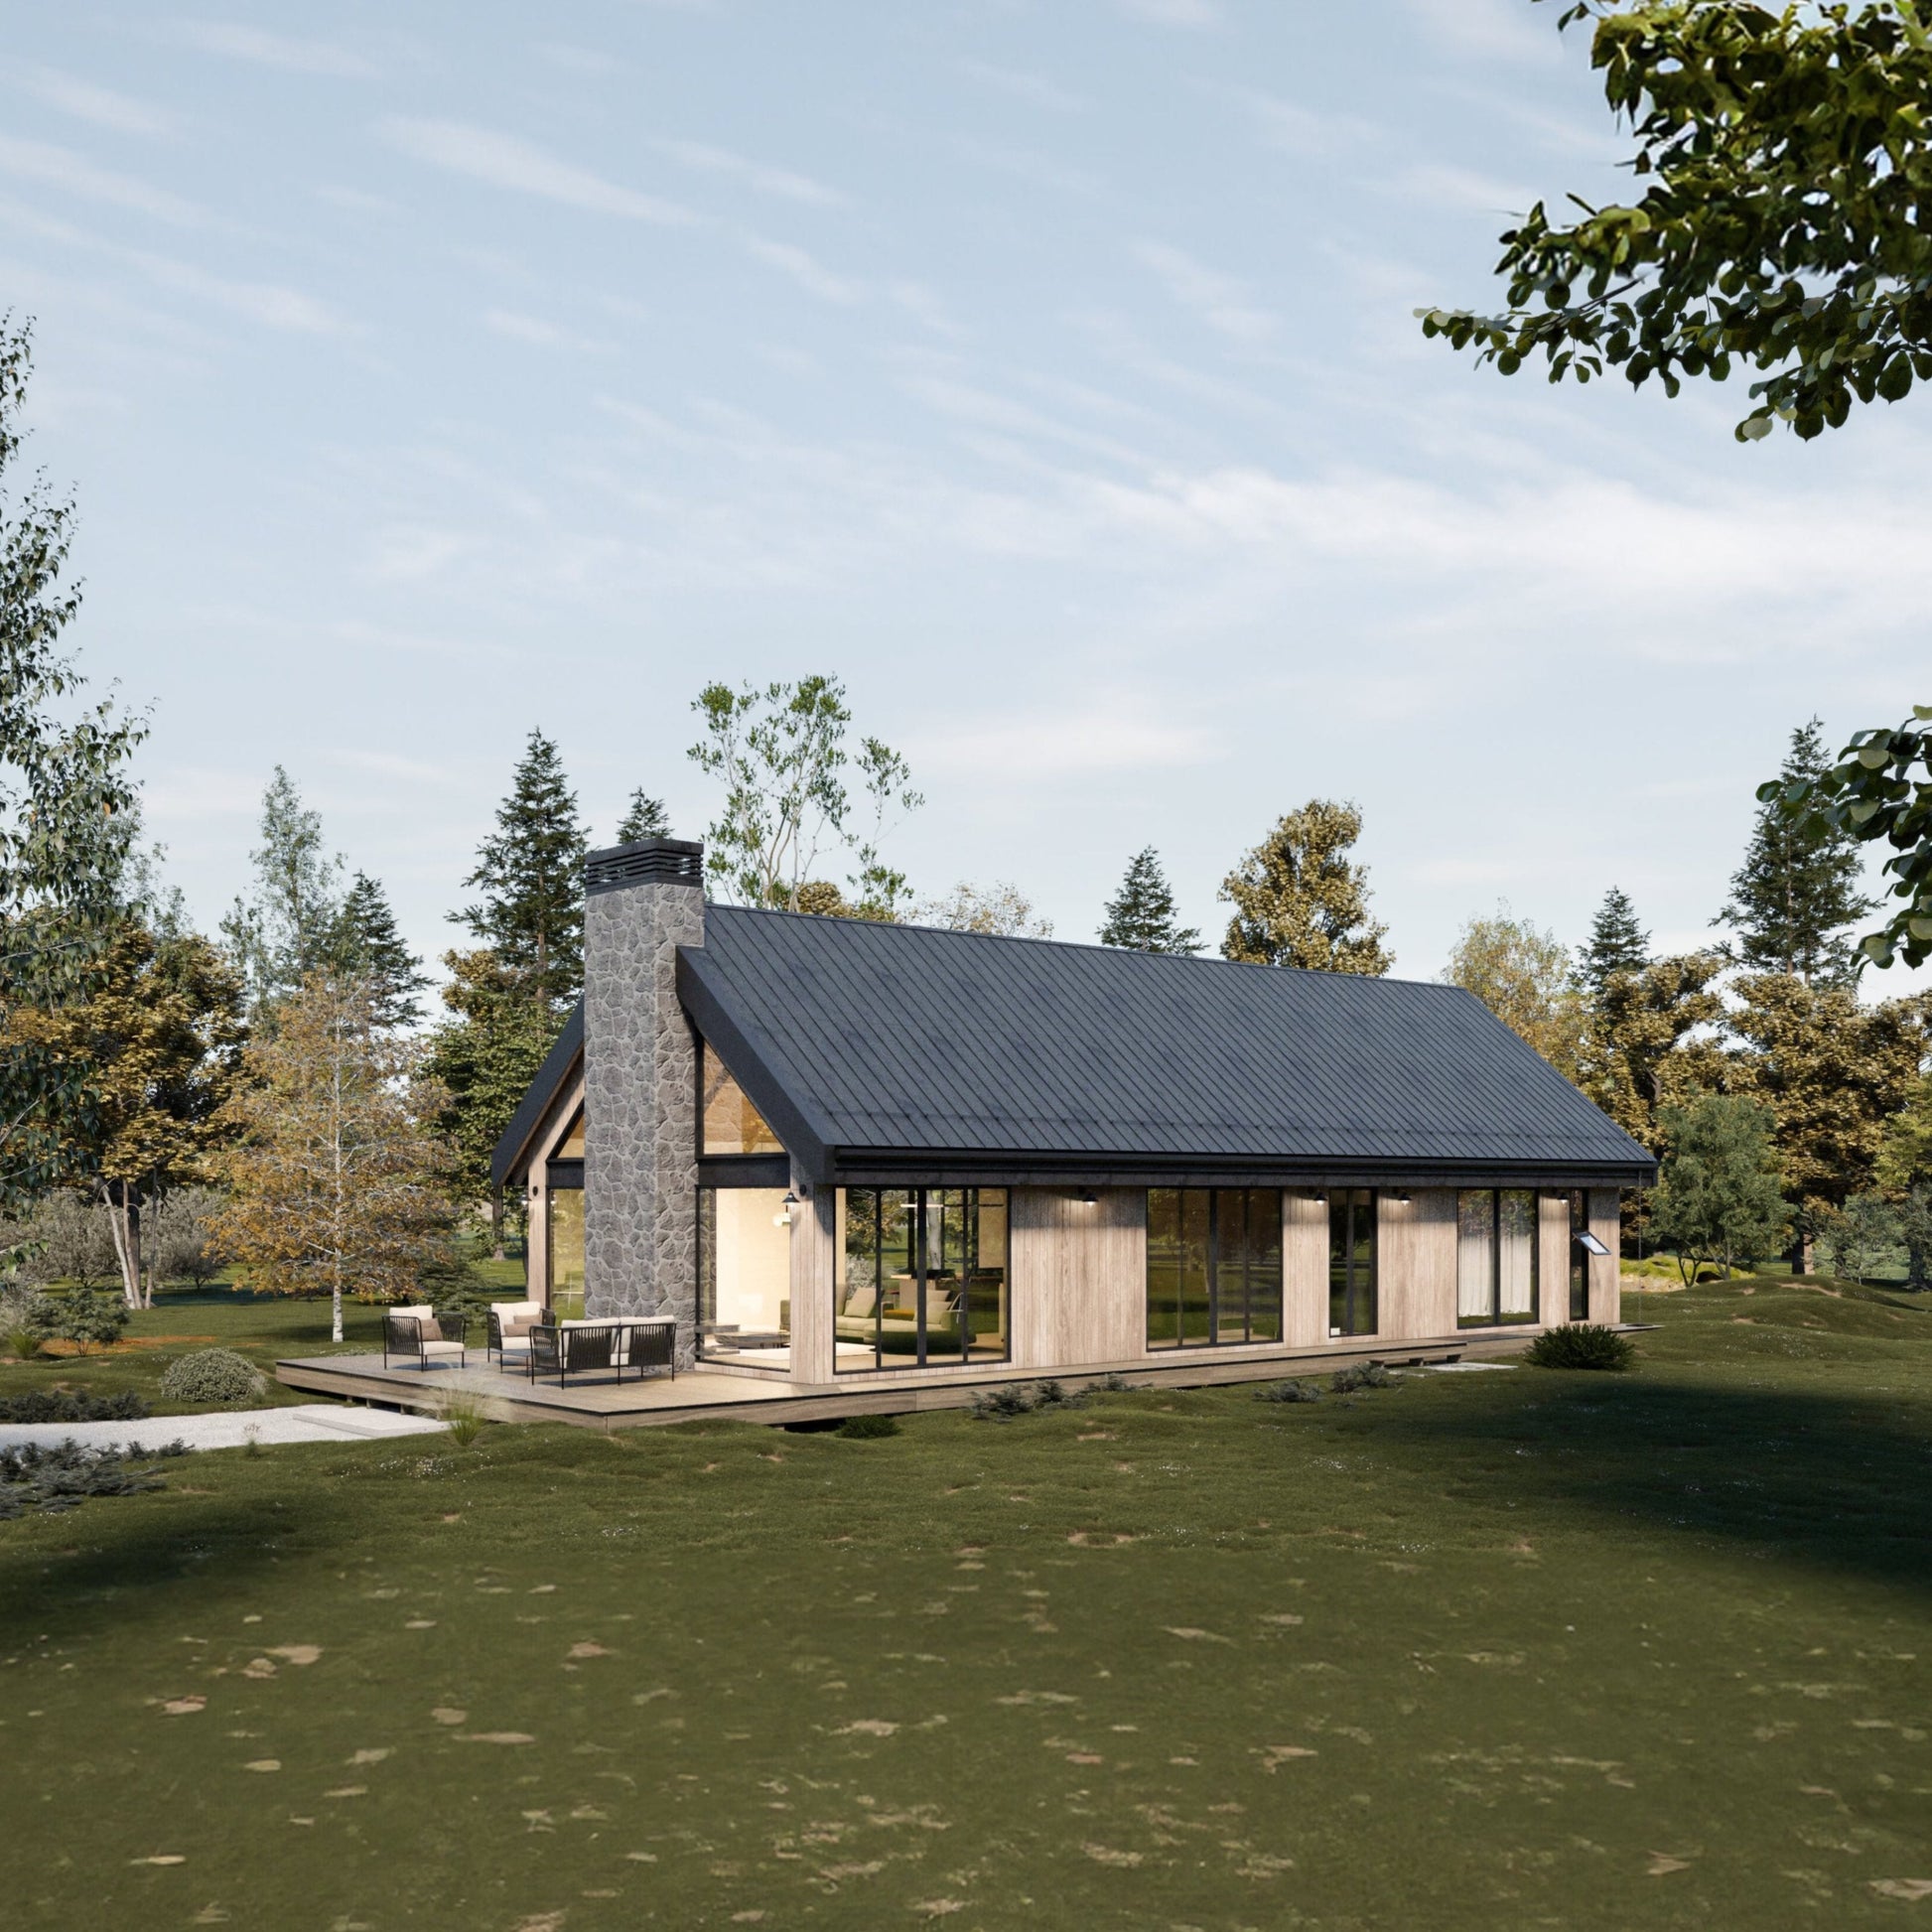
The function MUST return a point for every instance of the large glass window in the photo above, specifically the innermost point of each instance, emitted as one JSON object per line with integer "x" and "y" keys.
{"x": 1351, "y": 1261}
{"x": 730, "y": 1124}
{"x": 1213, "y": 1266}
{"x": 1579, "y": 1256}
{"x": 920, "y": 1277}
{"x": 1495, "y": 1256}
{"x": 571, "y": 1146}
{"x": 745, "y": 1277}
{"x": 565, "y": 1206}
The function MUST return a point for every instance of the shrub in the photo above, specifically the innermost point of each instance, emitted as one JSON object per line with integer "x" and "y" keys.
{"x": 58, "y": 1477}
{"x": 1580, "y": 1344}
{"x": 68, "y": 1405}
{"x": 1289, "y": 1392}
{"x": 1002, "y": 1404}
{"x": 92, "y": 1320}
{"x": 868, "y": 1429}
{"x": 1113, "y": 1383}
{"x": 27, "y": 1318}
{"x": 464, "y": 1417}
{"x": 216, "y": 1375}
{"x": 1362, "y": 1375}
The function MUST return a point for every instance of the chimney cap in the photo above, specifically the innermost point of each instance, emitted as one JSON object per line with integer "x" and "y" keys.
{"x": 669, "y": 861}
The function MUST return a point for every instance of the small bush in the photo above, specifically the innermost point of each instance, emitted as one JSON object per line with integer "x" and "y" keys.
{"x": 464, "y": 1417}
{"x": 1112, "y": 1384}
{"x": 1289, "y": 1392}
{"x": 1362, "y": 1375}
{"x": 91, "y": 1318}
{"x": 58, "y": 1476}
{"x": 1580, "y": 1344}
{"x": 27, "y": 1318}
{"x": 868, "y": 1429}
{"x": 68, "y": 1405}
{"x": 212, "y": 1375}
{"x": 1002, "y": 1404}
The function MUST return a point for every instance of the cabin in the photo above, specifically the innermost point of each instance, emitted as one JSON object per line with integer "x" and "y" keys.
{"x": 839, "y": 1152}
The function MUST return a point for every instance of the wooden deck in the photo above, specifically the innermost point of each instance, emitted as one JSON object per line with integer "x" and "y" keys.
{"x": 709, "y": 1392}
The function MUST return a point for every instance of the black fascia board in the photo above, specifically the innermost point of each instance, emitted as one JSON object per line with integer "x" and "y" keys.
{"x": 539, "y": 1099}
{"x": 747, "y": 1051}
{"x": 745, "y": 1171}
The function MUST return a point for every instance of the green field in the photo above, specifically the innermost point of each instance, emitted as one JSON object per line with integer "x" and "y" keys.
{"x": 1484, "y": 1650}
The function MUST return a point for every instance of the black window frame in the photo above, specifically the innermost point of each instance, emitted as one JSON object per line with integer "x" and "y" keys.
{"x": 1250, "y": 1262}
{"x": 1495, "y": 1317}
{"x": 920, "y": 1203}
{"x": 1579, "y": 1254}
{"x": 1354, "y": 1212}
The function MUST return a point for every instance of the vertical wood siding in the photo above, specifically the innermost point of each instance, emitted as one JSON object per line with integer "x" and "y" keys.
{"x": 1305, "y": 1270}
{"x": 1415, "y": 1263}
{"x": 1078, "y": 1276}
{"x": 1605, "y": 1280}
{"x": 813, "y": 1242}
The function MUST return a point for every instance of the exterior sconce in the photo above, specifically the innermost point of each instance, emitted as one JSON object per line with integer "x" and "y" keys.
{"x": 783, "y": 1219}
{"x": 1590, "y": 1245}
{"x": 1403, "y": 1195}
{"x": 1088, "y": 1197}
{"x": 1318, "y": 1194}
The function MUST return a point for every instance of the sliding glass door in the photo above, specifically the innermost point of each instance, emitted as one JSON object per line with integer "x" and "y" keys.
{"x": 1213, "y": 1266}
{"x": 921, "y": 1278}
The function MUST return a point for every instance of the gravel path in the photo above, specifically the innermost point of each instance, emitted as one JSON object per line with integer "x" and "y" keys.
{"x": 316, "y": 1422}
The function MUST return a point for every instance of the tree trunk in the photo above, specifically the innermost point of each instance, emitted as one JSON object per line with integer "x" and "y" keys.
{"x": 495, "y": 1222}
{"x": 124, "y": 1223}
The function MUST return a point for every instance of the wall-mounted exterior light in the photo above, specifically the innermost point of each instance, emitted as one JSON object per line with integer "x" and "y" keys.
{"x": 783, "y": 1219}
{"x": 1088, "y": 1197}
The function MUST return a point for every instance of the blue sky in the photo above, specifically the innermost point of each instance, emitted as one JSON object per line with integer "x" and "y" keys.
{"x": 1048, "y": 372}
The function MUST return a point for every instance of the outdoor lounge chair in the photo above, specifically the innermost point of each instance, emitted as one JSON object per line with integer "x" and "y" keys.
{"x": 581, "y": 1350}
{"x": 650, "y": 1344}
{"x": 510, "y": 1324}
{"x": 421, "y": 1335}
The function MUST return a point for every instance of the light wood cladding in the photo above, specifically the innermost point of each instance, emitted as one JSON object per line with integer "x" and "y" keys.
{"x": 1605, "y": 1275}
{"x": 1415, "y": 1264}
{"x": 1078, "y": 1276}
{"x": 814, "y": 1240}
{"x": 1553, "y": 1259}
{"x": 1304, "y": 1269}
{"x": 536, "y": 1236}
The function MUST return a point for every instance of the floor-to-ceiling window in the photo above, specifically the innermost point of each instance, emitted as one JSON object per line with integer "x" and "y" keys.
{"x": 744, "y": 1275}
{"x": 1213, "y": 1266}
{"x": 919, "y": 1277}
{"x": 1351, "y": 1261}
{"x": 565, "y": 1206}
{"x": 1495, "y": 1256}
{"x": 1578, "y": 1255}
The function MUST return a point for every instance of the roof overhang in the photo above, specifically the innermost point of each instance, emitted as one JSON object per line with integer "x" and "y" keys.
{"x": 511, "y": 1158}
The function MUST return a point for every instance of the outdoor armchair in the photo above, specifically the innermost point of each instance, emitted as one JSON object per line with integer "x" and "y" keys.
{"x": 510, "y": 1324}
{"x": 421, "y": 1335}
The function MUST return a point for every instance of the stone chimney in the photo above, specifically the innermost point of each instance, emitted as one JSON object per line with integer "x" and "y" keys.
{"x": 641, "y": 902}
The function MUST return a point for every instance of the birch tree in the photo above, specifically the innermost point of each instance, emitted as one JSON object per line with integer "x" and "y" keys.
{"x": 337, "y": 1183}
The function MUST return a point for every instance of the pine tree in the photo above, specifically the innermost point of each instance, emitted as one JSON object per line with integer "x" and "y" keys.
{"x": 288, "y": 929}
{"x": 1617, "y": 944}
{"x": 368, "y": 946}
{"x": 1299, "y": 902}
{"x": 1797, "y": 887}
{"x": 1140, "y": 916}
{"x": 645, "y": 818}
{"x": 531, "y": 876}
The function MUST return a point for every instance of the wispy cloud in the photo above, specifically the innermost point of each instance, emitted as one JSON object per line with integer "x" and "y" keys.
{"x": 236, "y": 40}
{"x": 1086, "y": 738}
{"x": 1295, "y": 129}
{"x": 539, "y": 333}
{"x": 1218, "y": 300}
{"x": 805, "y": 269}
{"x": 1446, "y": 185}
{"x": 101, "y": 106}
{"x": 271, "y": 303}
{"x": 1490, "y": 29}
{"x": 781, "y": 181}
{"x": 1020, "y": 84}
{"x": 74, "y": 174}
{"x": 509, "y": 161}
{"x": 569, "y": 59}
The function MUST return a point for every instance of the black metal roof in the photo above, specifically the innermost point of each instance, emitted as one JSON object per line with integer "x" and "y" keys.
{"x": 557, "y": 1065}
{"x": 878, "y": 1050}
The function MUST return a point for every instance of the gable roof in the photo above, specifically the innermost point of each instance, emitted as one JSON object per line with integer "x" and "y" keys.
{"x": 875, "y": 1049}
{"x": 531, "y": 1111}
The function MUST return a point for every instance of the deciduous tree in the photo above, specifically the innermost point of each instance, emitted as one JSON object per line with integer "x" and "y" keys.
{"x": 1786, "y": 162}
{"x": 1001, "y": 910}
{"x": 1718, "y": 1198}
{"x": 1141, "y": 916}
{"x": 1860, "y": 1236}
{"x": 1797, "y": 893}
{"x": 337, "y": 1182}
{"x": 1299, "y": 902}
{"x": 780, "y": 754}
{"x": 1647, "y": 1043}
{"x": 289, "y": 927}
{"x": 531, "y": 875}
{"x": 1523, "y": 976}
{"x": 66, "y": 806}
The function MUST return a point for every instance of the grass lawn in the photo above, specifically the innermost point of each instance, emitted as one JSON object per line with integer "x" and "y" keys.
{"x": 1490, "y": 1650}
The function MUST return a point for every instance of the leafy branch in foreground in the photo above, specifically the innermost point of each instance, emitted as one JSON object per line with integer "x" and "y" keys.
{"x": 1784, "y": 221}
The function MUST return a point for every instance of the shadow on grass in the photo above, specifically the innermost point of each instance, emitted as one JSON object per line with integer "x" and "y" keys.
{"x": 1842, "y": 1483}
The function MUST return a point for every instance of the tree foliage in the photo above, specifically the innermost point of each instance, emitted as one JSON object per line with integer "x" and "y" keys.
{"x": 1834, "y": 1073}
{"x": 781, "y": 756}
{"x": 1718, "y": 1197}
{"x": 1881, "y": 790}
{"x": 1616, "y": 944}
{"x": 1648, "y": 1045}
{"x": 644, "y": 818}
{"x": 1299, "y": 902}
{"x": 1786, "y": 163}
{"x": 1000, "y": 909}
{"x": 1141, "y": 916}
{"x": 1798, "y": 890}
{"x": 337, "y": 1183}
{"x": 68, "y": 817}
{"x": 1861, "y": 1237}
{"x": 289, "y": 927}
{"x": 1523, "y": 976}
{"x": 368, "y": 946}
{"x": 531, "y": 875}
